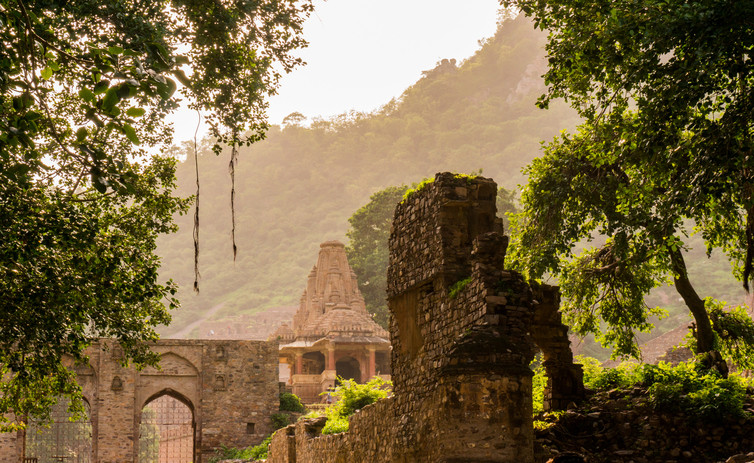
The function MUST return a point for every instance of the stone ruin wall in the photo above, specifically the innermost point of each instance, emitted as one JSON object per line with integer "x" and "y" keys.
{"x": 231, "y": 387}
{"x": 462, "y": 383}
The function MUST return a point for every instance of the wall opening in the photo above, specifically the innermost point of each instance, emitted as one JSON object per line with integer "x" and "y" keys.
{"x": 348, "y": 368}
{"x": 382, "y": 363}
{"x": 63, "y": 440}
{"x": 166, "y": 431}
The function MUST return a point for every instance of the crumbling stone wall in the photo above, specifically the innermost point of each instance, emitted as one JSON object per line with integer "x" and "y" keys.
{"x": 230, "y": 386}
{"x": 565, "y": 380}
{"x": 460, "y": 331}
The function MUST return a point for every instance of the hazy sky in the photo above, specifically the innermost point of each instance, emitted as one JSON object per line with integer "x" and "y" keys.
{"x": 362, "y": 53}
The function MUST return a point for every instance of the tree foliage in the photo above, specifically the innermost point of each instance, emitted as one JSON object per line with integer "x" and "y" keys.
{"x": 664, "y": 88}
{"x": 368, "y": 251}
{"x": 84, "y": 90}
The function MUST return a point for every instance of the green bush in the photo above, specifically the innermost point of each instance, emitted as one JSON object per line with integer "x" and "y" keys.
{"x": 699, "y": 392}
{"x": 351, "y": 396}
{"x": 291, "y": 402}
{"x": 457, "y": 287}
{"x": 335, "y": 424}
{"x": 257, "y": 452}
{"x": 280, "y": 420}
{"x": 598, "y": 378}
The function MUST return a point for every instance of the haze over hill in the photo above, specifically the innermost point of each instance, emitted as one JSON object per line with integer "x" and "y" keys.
{"x": 298, "y": 187}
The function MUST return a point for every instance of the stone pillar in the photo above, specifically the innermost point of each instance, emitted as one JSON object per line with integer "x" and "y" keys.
{"x": 299, "y": 363}
{"x": 372, "y": 363}
{"x": 330, "y": 358}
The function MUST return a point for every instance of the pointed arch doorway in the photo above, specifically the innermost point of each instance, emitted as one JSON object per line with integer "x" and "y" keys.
{"x": 166, "y": 430}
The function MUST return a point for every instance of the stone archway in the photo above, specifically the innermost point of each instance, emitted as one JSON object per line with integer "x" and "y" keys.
{"x": 348, "y": 368}
{"x": 167, "y": 429}
{"x": 63, "y": 439}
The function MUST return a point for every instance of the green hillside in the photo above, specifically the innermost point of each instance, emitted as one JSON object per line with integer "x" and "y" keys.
{"x": 298, "y": 187}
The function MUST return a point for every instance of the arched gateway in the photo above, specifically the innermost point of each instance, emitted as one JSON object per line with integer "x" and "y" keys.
{"x": 178, "y": 413}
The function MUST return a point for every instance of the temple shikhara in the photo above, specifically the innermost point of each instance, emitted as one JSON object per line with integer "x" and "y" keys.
{"x": 332, "y": 333}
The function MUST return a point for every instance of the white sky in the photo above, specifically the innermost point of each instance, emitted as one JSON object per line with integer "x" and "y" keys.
{"x": 362, "y": 53}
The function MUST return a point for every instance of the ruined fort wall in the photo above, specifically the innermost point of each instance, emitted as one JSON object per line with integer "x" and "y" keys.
{"x": 240, "y": 390}
{"x": 368, "y": 439}
{"x": 462, "y": 386}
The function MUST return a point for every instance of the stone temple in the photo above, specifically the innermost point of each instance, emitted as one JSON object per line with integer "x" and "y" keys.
{"x": 332, "y": 334}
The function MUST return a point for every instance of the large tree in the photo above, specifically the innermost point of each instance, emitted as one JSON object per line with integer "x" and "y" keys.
{"x": 665, "y": 150}
{"x": 84, "y": 90}
{"x": 368, "y": 251}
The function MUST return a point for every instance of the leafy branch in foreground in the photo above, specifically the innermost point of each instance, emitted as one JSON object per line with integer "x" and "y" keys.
{"x": 85, "y": 87}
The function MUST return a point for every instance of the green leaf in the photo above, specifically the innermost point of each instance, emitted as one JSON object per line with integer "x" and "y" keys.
{"x": 101, "y": 87}
{"x": 166, "y": 89}
{"x": 135, "y": 112}
{"x": 81, "y": 134}
{"x": 115, "y": 50}
{"x": 130, "y": 133}
{"x": 86, "y": 94}
{"x": 46, "y": 73}
{"x": 111, "y": 99}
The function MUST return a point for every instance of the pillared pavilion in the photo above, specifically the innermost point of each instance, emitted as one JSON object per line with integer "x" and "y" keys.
{"x": 332, "y": 333}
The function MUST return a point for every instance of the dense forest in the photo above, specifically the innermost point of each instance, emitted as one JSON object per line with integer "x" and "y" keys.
{"x": 299, "y": 186}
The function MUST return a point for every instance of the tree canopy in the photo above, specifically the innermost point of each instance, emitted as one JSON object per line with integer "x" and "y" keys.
{"x": 368, "y": 249}
{"x": 84, "y": 90}
{"x": 664, "y": 87}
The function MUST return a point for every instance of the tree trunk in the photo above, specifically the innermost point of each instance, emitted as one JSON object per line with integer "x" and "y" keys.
{"x": 704, "y": 336}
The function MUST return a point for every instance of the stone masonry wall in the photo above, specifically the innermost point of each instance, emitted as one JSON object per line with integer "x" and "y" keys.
{"x": 459, "y": 328}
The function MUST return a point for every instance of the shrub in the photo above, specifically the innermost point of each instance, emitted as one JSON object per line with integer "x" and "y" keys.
{"x": 351, "y": 396}
{"x": 291, "y": 402}
{"x": 699, "y": 392}
{"x": 598, "y": 378}
{"x": 458, "y": 287}
{"x": 280, "y": 420}
{"x": 335, "y": 424}
{"x": 538, "y": 383}
{"x": 256, "y": 452}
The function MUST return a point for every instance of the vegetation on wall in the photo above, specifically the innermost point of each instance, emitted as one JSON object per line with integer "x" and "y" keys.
{"x": 686, "y": 387}
{"x": 350, "y": 397}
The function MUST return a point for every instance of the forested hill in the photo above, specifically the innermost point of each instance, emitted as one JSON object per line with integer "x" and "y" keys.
{"x": 298, "y": 187}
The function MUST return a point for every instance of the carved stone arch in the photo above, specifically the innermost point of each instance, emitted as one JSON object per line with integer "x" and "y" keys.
{"x": 177, "y": 377}
{"x": 172, "y": 364}
{"x": 171, "y": 393}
